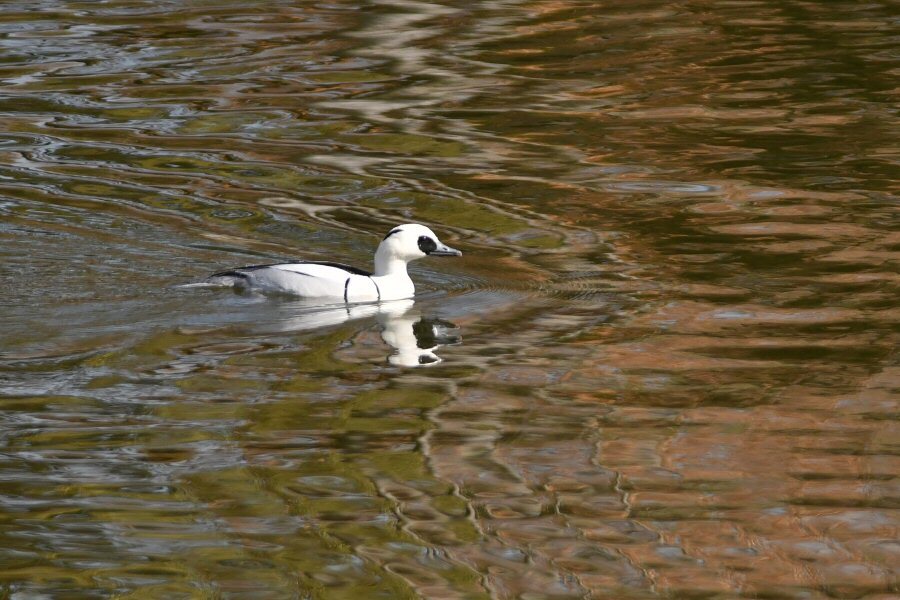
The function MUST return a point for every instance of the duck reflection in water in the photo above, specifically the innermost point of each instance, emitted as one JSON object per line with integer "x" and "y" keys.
{"x": 414, "y": 338}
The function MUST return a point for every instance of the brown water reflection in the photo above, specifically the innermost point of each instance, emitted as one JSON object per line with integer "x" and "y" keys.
{"x": 665, "y": 367}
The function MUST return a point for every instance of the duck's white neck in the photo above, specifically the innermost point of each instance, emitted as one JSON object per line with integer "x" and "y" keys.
{"x": 388, "y": 265}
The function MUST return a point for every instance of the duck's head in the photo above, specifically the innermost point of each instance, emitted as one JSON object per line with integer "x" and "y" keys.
{"x": 409, "y": 242}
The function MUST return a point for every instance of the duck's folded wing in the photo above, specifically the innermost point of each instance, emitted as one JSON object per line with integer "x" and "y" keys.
{"x": 308, "y": 279}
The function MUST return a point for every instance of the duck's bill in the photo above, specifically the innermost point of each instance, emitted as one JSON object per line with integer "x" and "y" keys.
{"x": 442, "y": 250}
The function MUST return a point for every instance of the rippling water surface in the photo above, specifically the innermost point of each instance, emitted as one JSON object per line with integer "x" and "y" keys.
{"x": 665, "y": 366}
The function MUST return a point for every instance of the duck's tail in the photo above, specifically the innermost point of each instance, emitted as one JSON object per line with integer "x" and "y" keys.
{"x": 228, "y": 279}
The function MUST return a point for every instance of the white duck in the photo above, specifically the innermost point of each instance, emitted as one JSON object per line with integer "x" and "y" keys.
{"x": 330, "y": 280}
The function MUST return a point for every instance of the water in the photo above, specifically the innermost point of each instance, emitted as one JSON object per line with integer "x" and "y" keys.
{"x": 665, "y": 366}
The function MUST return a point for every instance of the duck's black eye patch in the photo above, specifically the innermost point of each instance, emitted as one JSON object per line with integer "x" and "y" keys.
{"x": 391, "y": 232}
{"x": 426, "y": 244}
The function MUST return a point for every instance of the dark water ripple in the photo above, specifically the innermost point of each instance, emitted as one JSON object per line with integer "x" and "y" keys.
{"x": 665, "y": 366}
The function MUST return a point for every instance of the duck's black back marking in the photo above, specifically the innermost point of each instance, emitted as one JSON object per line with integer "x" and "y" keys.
{"x": 343, "y": 267}
{"x": 326, "y": 263}
{"x": 392, "y": 232}
{"x": 231, "y": 274}
{"x": 237, "y": 272}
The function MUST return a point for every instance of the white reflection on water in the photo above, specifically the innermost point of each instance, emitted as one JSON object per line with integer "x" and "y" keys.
{"x": 414, "y": 338}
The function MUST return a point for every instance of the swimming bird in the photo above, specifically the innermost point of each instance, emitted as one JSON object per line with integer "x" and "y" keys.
{"x": 331, "y": 280}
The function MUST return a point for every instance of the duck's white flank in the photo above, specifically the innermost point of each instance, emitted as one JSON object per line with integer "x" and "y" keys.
{"x": 328, "y": 280}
